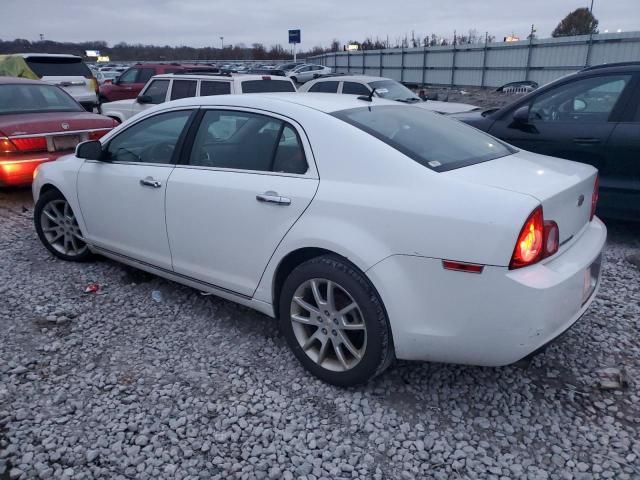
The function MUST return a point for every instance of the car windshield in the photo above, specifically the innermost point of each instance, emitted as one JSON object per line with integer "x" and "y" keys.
{"x": 392, "y": 90}
{"x": 30, "y": 98}
{"x": 434, "y": 141}
{"x": 58, "y": 67}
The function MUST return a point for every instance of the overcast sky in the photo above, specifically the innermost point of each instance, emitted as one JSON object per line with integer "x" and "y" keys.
{"x": 202, "y": 22}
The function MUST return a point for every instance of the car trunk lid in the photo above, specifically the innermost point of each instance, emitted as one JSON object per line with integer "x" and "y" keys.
{"x": 564, "y": 188}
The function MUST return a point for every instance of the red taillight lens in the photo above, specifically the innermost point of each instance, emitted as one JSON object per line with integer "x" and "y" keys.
{"x": 30, "y": 144}
{"x": 6, "y": 146}
{"x": 97, "y": 134}
{"x": 594, "y": 197}
{"x": 551, "y": 238}
{"x": 538, "y": 239}
{"x": 530, "y": 245}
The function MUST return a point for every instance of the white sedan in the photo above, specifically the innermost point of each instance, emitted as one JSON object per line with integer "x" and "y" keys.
{"x": 372, "y": 230}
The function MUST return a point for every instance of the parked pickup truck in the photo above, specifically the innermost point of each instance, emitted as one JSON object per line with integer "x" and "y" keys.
{"x": 163, "y": 88}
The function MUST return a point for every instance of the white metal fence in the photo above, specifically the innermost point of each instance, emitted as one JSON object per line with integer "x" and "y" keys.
{"x": 492, "y": 64}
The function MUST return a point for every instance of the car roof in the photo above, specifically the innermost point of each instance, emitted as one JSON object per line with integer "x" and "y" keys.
{"x": 279, "y": 101}
{"x": 198, "y": 76}
{"x": 351, "y": 78}
{"x": 21, "y": 81}
{"x": 52, "y": 55}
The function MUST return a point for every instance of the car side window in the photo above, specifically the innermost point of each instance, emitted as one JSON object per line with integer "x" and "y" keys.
{"x": 325, "y": 87}
{"x": 353, "y": 88}
{"x": 152, "y": 140}
{"x": 145, "y": 75}
{"x": 247, "y": 141}
{"x": 157, "y": 90}
{"x": 214, "y": 88}
{"x": 588, "y": 100}
{"x": 129, "y": 76}
{"x": 183, "y": 89}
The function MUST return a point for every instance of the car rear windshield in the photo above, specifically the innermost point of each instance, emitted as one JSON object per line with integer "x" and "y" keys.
{"x": 392, "y": 90}
{"x": 259, "y": 86}
{"x": 58, "y": 67}
{"x": 437, "y": 142}
{"x": 29, "y": 98}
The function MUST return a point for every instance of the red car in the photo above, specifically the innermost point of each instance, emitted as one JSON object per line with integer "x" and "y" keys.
{"x": 130, "y": 82}
{"x": 40, "y": 122}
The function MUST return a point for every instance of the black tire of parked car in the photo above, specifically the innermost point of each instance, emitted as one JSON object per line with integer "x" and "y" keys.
{"x": 45, "y": 199}
{"x": 379, "y": 352}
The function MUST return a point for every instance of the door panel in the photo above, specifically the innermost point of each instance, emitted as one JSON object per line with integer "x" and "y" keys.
{"x": 122, "y": 198}
{"x": 220, "y": 233}
{"x": 245, "y": 181}
{"x": 570, "y": 121}
{"x": 121, "y": 214}
{"x": 620, "y": 173}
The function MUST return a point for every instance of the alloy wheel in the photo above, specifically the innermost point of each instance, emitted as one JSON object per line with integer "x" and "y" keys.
{"x": 328, "y": 324}
{"x": 60, "y": 228}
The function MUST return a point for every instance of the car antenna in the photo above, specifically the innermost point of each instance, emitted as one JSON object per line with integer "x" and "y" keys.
{"x": 367, "y": 98}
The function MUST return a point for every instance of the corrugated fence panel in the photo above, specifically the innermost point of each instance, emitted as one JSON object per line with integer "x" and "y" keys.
{"x": 540, "y": 60}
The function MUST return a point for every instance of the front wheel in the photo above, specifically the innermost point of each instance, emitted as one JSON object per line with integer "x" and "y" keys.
{"x": 334, "y": 321}
{"x": 58, "y": 228}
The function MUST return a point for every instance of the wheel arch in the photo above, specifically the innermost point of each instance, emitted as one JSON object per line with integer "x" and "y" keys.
{"x": 298, "y": 256}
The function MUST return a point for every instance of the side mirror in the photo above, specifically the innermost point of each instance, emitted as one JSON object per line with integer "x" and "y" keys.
{"x": 521, "y": 115}
{"x": 90, "y": 150}
{"x": 144, "y": 99}
{"x": 579, "y": 105}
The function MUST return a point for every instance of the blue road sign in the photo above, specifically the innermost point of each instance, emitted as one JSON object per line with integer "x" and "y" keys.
{"x": 294, "y": 36}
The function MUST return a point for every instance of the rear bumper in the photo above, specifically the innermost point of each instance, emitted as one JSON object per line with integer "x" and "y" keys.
{"x": 494, "y": 318}
{"x": 19, "y": 169}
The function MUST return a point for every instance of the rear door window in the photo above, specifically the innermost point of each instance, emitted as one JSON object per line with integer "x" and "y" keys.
{"x": 183, "y": 89}
{"x": 58, "y": 67}
{"x": 325, "y": 87}
{"x": 214, "y": 88}
{"x": 353, "y": 88}
{"x": 258, "y": 86}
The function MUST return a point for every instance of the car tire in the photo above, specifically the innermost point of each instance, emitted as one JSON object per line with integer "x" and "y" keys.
{"x": 58, "y": 228}
{"x": 342, "y": 349}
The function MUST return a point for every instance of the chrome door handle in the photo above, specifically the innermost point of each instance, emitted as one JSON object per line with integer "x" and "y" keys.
{"x": 273, "y": 197}
{"x": 150, "y": 182}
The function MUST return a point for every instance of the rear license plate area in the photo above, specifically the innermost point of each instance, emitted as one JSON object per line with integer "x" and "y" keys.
{"x": 65, "y": 142}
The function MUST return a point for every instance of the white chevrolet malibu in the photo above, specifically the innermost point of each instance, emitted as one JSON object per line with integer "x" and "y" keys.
{"x": 371, "y": 230}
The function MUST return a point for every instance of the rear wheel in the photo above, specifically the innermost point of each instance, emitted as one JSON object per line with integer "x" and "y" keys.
{"x": 334, "y": 322}
{"x": 58, "y": 228}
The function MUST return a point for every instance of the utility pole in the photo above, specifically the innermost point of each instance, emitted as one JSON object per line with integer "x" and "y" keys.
{"x": 591, "y": 8}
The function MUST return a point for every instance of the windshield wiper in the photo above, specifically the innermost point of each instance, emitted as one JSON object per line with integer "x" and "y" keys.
{"x": 408, "y": 100}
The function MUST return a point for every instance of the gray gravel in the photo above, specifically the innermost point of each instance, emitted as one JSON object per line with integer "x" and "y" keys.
{"x": 119, "y": 386}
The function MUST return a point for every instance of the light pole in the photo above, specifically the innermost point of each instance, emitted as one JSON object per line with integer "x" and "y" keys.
{"x": 591, "y": 8}
{"x": 222, "y": 43}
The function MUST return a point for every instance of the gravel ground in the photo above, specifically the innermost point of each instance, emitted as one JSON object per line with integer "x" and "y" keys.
{"x": 118, "y": 386}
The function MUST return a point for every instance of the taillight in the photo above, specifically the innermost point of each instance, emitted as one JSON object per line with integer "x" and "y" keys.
{"x": 551, "y": 238}
{"x": 594, "y": 197}
{"x": 23, "y": 144}
{"x": 538, "y": 239}
{"x": 6, "y": 145}
{"x": 530, "y": 244}
{"x": 97, "y": 134}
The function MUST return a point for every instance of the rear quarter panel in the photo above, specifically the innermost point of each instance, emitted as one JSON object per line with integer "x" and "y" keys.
{"x": 374, "y": 202}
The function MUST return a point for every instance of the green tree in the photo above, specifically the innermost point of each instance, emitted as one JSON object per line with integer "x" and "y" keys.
{"x": 579, "y": 22}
